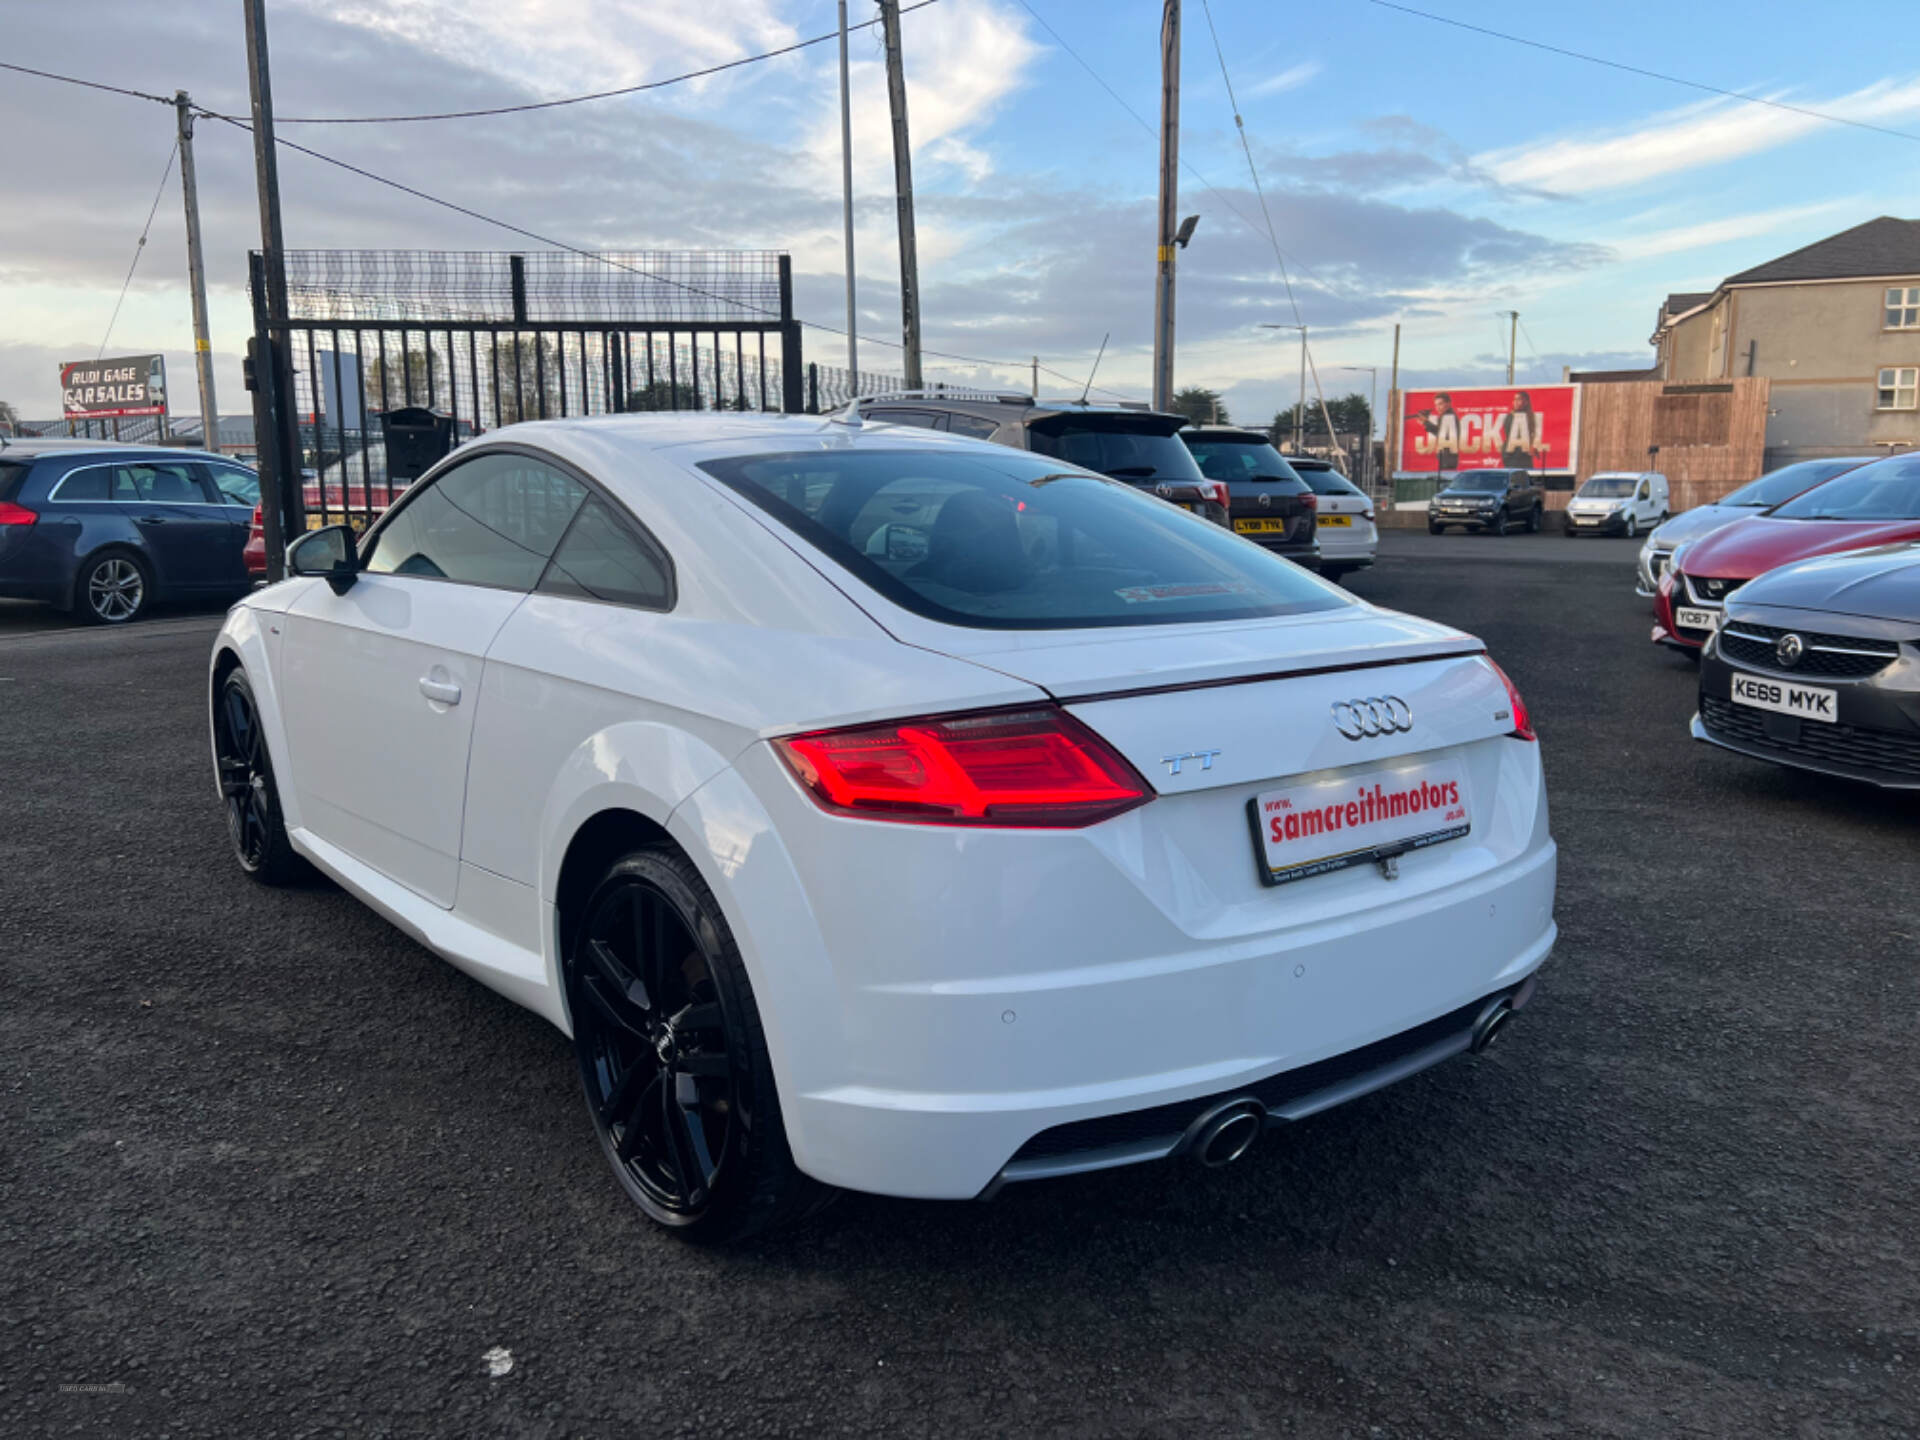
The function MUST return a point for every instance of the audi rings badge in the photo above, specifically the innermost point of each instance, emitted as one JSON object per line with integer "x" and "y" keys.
{"x": 1375, "y": 715}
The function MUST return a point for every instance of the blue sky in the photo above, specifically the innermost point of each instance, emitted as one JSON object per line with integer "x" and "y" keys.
{"x": 1415, "y": 172}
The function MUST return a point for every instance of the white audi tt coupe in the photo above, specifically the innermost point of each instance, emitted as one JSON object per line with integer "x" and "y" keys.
{"x": 882, "y": 809}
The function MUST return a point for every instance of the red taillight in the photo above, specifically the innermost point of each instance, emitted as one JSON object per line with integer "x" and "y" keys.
{"x": 258, "y": 517}
{"x": 1522, "y": 721}
{"x": 1036, "y": 768}
{"x": 11, "y": 514}
{"x": 1310, "y": 500}
{"x": 1222, "y": 496}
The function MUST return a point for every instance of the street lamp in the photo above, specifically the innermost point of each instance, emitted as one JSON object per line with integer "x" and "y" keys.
{"x": 1300, "y": 410}
{"x": 1373, "y": 395}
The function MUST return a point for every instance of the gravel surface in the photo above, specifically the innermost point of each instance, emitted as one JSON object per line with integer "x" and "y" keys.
{"x": 269, "y": 1168}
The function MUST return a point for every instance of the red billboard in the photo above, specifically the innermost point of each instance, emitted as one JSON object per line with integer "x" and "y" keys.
{"x": 1513, "y": 427}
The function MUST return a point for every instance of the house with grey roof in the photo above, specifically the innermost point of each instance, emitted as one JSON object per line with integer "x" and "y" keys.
{"x": 1834, "y": 326}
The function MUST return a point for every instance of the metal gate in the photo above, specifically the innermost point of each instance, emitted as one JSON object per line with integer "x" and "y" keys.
{"x": 488, "y": 338}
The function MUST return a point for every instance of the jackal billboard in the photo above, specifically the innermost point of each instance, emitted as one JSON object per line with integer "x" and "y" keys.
{"x": 1520, "y": 427}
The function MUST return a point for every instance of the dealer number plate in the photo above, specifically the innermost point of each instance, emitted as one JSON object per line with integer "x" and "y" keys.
{"x": 1692, "y": 619}
{"x": 1305, "y": 830}
{"x": 1783, "y": 697}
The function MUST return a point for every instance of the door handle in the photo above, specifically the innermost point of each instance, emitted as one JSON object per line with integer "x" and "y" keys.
{"x": 149, "y": 519}
{"x": 445, "y": 691}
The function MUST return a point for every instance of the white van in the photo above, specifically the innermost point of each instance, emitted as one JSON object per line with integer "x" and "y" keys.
{"x": 1618, "y": 502}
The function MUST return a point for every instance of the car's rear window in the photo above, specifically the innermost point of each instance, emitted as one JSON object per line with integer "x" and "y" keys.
{"x": 1883, "y": 490}
{"x": 1127, "y": 447}
{"x": 1327, "y": 481}
{"x": 1232, "y": 460}
{"x": 11, "y": 472}
{"x": 1015, "y": 541}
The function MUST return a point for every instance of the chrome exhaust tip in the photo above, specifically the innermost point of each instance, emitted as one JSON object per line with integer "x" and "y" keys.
{"x": 1488, "y": 1027}
{"x": 1225, "y": 1133}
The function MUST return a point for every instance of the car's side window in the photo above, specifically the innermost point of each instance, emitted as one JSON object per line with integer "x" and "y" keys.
{"x": 925, "y": 419}
{"x": 602, "y": 557}
{"x": 493, "y": 520}
{"x": 165, "y": 482}
{"x": 977, "y": 426}
{"x": 87, "y": 484}
{"x": 236, "y": 486}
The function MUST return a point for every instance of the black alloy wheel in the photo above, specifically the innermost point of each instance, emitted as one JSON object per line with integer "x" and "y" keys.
{"x": 1499, "y": 525}
{"x": 672, "y": 1058}
{"x": 1535, "y": 520}
{"x": 113, "y": 589}
{"x": 245, "y": 772}
{"x": 1433, "y": 529}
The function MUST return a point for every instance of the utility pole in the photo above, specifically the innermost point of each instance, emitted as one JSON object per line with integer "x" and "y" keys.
{"x": 846, "y": 204}
{"x": 1035, "y": 391}
{"x": 197, "y": 276}
{"x": 903, "y": 191}
{"x": 1513, "y": 338}
{"x": 1300, "y": 415}
{"x": 1393, "y": 437}
{"x": 1169, "y": 204}
{"x": 280, "y": 498}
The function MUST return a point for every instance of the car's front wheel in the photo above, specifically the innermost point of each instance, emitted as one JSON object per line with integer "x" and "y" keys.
{"x": 1433, "y": 529}
{"x": 1499, "y": 525}
{"x": 245, "y": 772}
{"x": 1633, "y": 527}
{"x": 673, "y": 1057}
{"x": 113, "y": 589}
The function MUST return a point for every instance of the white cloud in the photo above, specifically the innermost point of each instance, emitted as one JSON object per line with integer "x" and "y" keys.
{"x": 1290, "y": 78}
{"x": 565, "y": 46}
{"x": 1708, "y": 133}
{"x": 1723, "y": 230}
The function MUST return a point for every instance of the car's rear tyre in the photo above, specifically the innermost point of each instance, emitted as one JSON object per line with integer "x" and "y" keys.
{"x": 114, "y": 587}
{"x": 673, "y": 1058}
{"x": 1535, "y": 519}
{"x": 244, "y": 769}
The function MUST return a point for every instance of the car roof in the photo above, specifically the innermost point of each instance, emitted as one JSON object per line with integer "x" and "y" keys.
{"x": 33, "y": 447}
{"x": 1225, "y": 432}
{"x": 748, "y": 433}
{"x": 1311, "y": 462}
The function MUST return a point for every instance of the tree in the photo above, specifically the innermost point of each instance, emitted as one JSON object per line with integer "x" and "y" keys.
{"x": 1200, "y": 405}
{"x": 1351, "y": 416}
{"x": 9, "y": 417}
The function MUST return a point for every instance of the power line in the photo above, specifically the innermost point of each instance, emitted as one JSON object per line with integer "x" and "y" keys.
{"x": 1252, "y": 169}
{"x": 89, "y": 84}
{"x": 520, "y": 230}
{"x": 593, "y": 95}
{"x": 1141, "y": 121}
{"x": 1648, "y": 74}
{"x": 138, "y": 249}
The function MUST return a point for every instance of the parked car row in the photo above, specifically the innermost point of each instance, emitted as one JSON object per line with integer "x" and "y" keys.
{"x": 1799, "y": 594}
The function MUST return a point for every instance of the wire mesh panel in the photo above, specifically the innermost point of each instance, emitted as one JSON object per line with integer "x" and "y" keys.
{"x": 486, "y": 339}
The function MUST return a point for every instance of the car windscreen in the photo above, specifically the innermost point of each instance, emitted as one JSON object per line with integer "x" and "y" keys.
{"x": 1126, "y": 447}
{"x": 1240, "y": 460}
{"x": 1884, "y": 490}
{"x": 1787, "y": 482}
{"x": 1486, "y": 482}
{"x": 1015, "y": 541}
{"x": 1609, "y": 487}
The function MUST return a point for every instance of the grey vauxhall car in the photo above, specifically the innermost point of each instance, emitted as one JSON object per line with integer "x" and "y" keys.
{"x": 1138, "y": 446}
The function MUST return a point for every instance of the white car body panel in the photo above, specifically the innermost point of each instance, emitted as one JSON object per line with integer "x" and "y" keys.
{"x": 933, "y": 996}
{"x": 1354, "y": 543}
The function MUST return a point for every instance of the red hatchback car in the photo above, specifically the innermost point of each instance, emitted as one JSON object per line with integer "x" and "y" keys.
{"x": 1877, "y": 504}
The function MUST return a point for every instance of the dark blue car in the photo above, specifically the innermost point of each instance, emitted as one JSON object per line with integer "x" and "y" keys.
{"x": 105, "y": 530}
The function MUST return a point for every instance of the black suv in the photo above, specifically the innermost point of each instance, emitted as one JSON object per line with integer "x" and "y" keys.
{"x": 1493, "y": 500}
{"x": 1138, "y": 446}
{"x": 1269, "y": 503}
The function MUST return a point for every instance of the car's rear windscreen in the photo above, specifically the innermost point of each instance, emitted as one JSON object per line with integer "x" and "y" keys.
{"x": 1232, "y": 460}
{"x": 1127, "y": 447}
{"x": 11, "y": 473}
{"x": 1013, "y": 541}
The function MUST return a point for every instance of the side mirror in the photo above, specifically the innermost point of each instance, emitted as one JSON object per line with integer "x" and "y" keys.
{"x": 328, "y": 554}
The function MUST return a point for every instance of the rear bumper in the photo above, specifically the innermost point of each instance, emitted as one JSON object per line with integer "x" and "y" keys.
{"x": 935, "y": 999}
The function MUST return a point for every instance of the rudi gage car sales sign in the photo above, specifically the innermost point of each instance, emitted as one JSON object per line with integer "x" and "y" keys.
{"x": 112, "y": 389}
